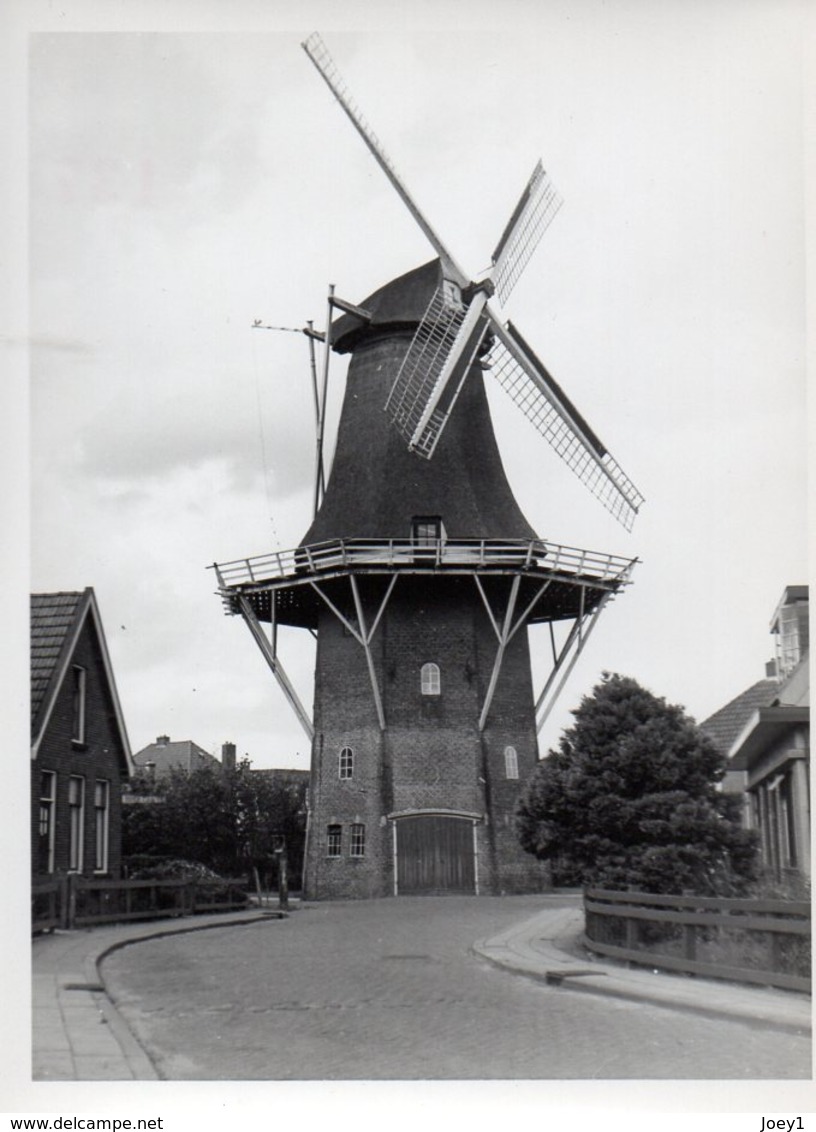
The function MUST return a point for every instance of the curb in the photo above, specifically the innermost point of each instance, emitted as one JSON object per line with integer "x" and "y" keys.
{"x": 553, "y": 965}
{"x": 137, "y": 1057}
{"x": 131, "y": 1061}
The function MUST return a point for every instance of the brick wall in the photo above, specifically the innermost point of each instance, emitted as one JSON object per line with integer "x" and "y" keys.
{"x": 99, "y": 758}
{"x": 431, "y": 755}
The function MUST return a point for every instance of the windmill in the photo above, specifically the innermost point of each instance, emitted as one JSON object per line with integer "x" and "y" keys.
{"x": 419, "y": 575}
{"x": 458, "y": 318}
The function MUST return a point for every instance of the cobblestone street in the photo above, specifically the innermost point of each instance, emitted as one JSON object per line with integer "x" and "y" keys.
{"x": 390, "y": 989}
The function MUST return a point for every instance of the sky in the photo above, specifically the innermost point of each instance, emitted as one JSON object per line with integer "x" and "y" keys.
{"x": 188, "y": 177}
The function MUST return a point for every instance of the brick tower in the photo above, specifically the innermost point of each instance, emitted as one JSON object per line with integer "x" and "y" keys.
{"x": 419, "y": 577}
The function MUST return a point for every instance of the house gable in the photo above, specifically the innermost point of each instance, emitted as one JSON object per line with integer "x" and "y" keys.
{"x": 58, "y": 622}
{"x": 725, "y": 725}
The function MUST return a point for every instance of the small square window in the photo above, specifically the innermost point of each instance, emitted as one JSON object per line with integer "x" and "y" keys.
{"x": 334, "y": 841}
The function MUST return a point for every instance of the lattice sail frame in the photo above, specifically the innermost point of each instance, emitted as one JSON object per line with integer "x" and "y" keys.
{"x": 434, "y": 369}
{"x": 586, "y": 457}
{"x": 317, "y": 51}
{"x": 532, "y": 216}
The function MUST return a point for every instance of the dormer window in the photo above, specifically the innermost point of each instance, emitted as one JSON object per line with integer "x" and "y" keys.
{"x": 427, "y": 531}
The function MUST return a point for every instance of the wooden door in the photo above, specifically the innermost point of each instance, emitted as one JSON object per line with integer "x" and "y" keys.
{"x": 435, "y": 855}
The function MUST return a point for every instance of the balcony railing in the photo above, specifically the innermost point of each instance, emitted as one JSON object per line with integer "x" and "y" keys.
{"x": 453, "y": 555}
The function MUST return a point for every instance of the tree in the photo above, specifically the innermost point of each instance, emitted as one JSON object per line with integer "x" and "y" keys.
{"x": 629, "y": 800}
{"x": 230, "y": 819}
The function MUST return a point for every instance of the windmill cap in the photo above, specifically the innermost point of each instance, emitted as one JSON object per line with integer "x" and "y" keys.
{"x": 398, "y": 305}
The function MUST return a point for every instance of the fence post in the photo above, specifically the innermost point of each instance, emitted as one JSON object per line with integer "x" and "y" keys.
{"x": 631, "y": 934}
{"x": 70, "y": 903}
{"x": 62, "y": 901}
{"x": 690, "y": 941}
{"x": 776, "y": 964}
{"x": 283, "y": 882}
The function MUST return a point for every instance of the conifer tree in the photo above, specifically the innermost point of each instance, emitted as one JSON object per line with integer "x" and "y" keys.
{"x": 630, "y": 800}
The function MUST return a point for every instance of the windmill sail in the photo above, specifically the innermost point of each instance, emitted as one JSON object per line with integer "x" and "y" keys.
{"x": 446, "y": 340}
{"x": 432, "y": 371}
{"x": 317, "y": 51}
{"x": 527, "y": 382}
{"x": 532, "y": 216}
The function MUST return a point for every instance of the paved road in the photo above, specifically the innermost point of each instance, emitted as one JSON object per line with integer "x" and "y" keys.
{"x": 390, "y": 989}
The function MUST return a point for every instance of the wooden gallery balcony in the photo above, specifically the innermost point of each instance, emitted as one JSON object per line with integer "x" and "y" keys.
{"x": 555, "y": 582}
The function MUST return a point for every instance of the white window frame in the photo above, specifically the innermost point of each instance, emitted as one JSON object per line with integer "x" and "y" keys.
{"x": 76, "y": 824}
{"x": 430, "y": 679}
{"x": 101, "y": 825}
{"x": 511, "y": 762}
{"x": 358, "y": 839}
{"x": 345, "y": 764}
{"x": 48, "y": 806}
{"x": 334, "y": 850}
{"x": 80, "y": 677}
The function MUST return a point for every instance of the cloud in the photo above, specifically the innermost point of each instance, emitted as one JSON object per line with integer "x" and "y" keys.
{"x": 155, "y": 438}
{"x": 136, "y": 122}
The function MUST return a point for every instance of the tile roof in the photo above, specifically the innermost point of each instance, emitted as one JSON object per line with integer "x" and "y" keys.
{"x": 726, "y": 724}
{"x": 183, "y": 753}
{"x": 56, "y": 621}
{"x": 52, "y": 619}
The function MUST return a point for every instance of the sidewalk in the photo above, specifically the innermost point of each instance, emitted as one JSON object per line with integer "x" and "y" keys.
{"x": 79, "y": 1035}
{"x": 548, "y": 948}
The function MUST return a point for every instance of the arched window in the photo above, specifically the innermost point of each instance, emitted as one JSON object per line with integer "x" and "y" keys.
{"x": 345, "y": 766}
{"x": 357, "y": 848}
{"x": 510, "y": 762}
{"x": 429, "y": 680}
{"x": 334, "y": 840}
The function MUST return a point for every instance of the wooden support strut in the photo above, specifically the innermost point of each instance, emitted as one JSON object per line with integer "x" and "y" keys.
{"x": 366, "y": 643}
{"x": 504, "y": 637}
{"x": 361, "y": 634}
{"x": 504, "y": 634}
{"x": 581, "y": 635}
{"x": 270, "y": 655}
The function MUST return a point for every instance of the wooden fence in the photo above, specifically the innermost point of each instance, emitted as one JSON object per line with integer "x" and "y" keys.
{"x": 74, "y": 902}
{"x": 753, "y": 941}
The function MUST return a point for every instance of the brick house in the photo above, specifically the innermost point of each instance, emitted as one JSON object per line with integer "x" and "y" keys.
{"x": 80, "y": 753}
{"x": 765, "y": 734}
